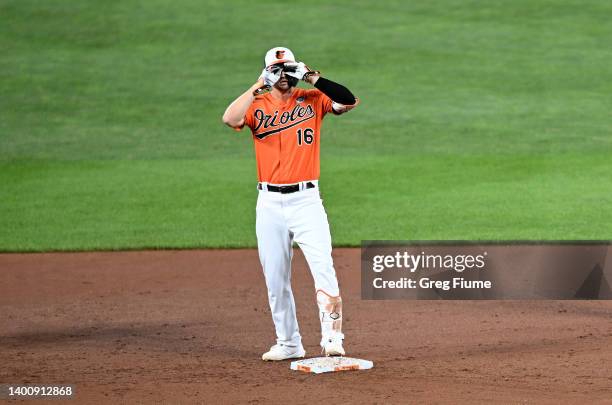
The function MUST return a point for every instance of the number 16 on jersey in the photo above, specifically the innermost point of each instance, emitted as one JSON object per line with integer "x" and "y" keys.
{"x": 306, "y": 136}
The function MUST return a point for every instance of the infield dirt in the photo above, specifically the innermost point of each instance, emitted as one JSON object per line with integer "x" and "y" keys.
{"x": 190, "y": 326}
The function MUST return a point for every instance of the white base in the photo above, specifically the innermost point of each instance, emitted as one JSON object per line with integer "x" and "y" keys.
{"x": 319, "y": 365}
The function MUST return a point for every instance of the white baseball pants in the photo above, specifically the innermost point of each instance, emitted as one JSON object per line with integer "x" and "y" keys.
{"x": 282, "y": 219}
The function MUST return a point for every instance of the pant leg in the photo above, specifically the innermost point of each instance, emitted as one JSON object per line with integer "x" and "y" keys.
{"x": 308, "y": 221}
{"x": 274, "y": 243}
{"x": 309, "y": 224}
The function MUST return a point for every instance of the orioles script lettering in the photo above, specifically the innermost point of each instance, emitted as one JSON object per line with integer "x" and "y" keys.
{"x": 271, "y": 121}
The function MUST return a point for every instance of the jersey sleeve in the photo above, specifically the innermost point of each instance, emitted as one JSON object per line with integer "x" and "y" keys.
{"x": 323, "y": 104}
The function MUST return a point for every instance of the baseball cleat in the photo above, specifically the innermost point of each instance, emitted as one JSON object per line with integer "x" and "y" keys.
{"x": 281, "y": 352}
{"x": 333, "y": 347}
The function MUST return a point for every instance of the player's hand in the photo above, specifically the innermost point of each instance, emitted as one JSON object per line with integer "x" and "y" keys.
{"x": 267, "y": 79}
{"x": 299, "y": 70}
{"x": 270, "y": 76}
{"x": 296, "y": 69}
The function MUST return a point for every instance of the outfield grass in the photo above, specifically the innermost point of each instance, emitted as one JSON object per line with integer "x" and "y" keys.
{"x": 479, "y": 120}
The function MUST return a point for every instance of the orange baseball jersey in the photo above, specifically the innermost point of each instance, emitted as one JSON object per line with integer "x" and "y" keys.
{"x": 287, "y": 135}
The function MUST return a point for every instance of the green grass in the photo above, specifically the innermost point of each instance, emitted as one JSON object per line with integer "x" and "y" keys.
{"x": 479, "y": 120}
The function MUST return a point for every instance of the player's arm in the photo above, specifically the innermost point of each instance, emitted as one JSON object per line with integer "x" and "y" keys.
{"x": 343, "y": 99}
{"x": 234, "y": 114}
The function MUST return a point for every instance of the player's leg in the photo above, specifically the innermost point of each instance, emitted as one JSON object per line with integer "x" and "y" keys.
{"x": 308, "y": 221}
{"x": 274, "y": 242}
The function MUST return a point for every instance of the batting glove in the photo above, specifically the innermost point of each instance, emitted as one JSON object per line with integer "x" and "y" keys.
{"x": 299, "y": 70}
{"x": 269, "y": 76}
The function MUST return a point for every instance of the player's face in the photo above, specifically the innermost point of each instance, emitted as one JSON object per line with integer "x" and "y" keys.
{"x": 282, "y": 83}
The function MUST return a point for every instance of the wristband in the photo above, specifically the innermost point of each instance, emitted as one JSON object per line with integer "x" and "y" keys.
{"x": 262, "y": 90}
{"x": 311, "y": 73}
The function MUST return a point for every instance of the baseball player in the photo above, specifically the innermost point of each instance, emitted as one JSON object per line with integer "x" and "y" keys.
{"x": 286, "y": 125}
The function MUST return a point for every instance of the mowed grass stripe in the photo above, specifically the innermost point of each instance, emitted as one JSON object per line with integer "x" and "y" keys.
{"x": 191, "y": 204}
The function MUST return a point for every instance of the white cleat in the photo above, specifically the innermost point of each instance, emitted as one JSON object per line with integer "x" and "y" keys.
{"x": 281, "y": 352}
{"x": 333, "y": 347}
